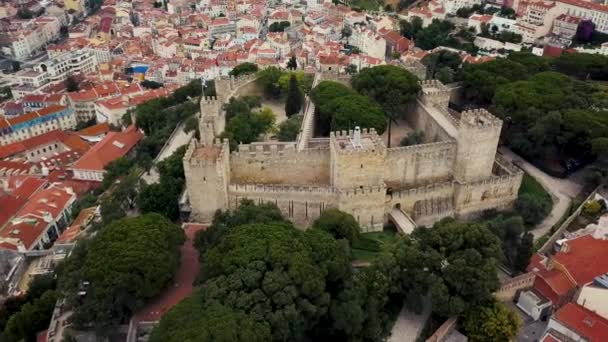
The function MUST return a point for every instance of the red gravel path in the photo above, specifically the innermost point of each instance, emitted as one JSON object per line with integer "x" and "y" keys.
{"x": 182, "y": 285}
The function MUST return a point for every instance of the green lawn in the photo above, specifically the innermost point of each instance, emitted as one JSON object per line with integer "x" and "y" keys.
{"x": 529, "y": 185}
{"x": 370, "y": 245}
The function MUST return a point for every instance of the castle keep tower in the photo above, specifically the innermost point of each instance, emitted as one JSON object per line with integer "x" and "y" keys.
{"x": 212, "y": 120}
{"x": 357, "y": 173}
{"x": 207, "y": 171}
{"x": 477, "y": 141}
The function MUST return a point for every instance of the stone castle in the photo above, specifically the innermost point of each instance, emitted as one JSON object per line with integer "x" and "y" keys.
{"x": 454, "y": 172}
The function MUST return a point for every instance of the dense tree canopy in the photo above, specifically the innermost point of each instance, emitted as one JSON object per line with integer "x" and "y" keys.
{"x": 247, "y": 127}
{"x": 278, "y": 26}
{"x": 493, "y": 322}
{"x": 391, "y": 86}
{"x": 435, "y": 61}
{"x": 340, "y": 107}
{"x": 290, "y": 128}
{"x": 127, "y": 263}
{"x": 269, "y": 272}
{"x": 244, "y": 69}
{"x": 295, "y": 99}
{"x": 339, "y": 224}
{"x": 163, "y": 197}
{"x": 201, "y": 321}
{"x": 481, "y": 80}
{"x": 242, "y": 105}
{"x": 261, "y": 272}
{"x": 461, "y": 253}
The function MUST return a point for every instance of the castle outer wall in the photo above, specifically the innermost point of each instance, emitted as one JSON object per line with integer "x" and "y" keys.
{"x": 456, "y": 172}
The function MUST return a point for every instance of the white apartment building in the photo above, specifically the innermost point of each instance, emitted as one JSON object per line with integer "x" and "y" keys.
{"x": 369, "y": 42}
{"x": 316, "y": 5}
{"x": 77, "y": 62}
{"x": 35, "y": 123}
{"x": 598, "y": 13}
{"x": 30, "y": 36}
{"x": 537, "y": 20}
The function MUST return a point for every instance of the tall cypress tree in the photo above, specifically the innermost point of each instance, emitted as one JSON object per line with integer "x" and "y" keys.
{"x": 294, "y": 97}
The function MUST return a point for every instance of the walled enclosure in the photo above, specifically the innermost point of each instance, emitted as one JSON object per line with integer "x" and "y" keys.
{"x": 454, "y": 173}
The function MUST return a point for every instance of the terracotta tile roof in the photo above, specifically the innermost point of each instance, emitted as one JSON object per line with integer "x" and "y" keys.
{"x": 113, "y": 146}
{"x": 10, "y": 206}
{"x": 95, "y": 130}
{"x": 586, "y": 323}
{"x": 26, "y": 187}
{"x": 79, "y": 223}
{"x": 5, "y": 123}
{"x": 585, "y": 259}
{"x": 29, "y": 224}
{"x": 72, "y": 141}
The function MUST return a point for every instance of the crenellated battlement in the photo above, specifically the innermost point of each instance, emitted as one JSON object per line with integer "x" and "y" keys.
{"x": 356, "y": 142}
{"x": 492, "y": 180}
{"x": 198, "y": 155}
{"x": 280, "y": 188}
{"x": 210, "y": 100}
{"x": 479, "y": 118}
{"x": 276, "y": 149}
{"x": 422, "y": 190}
{"x": 434, "y": 92}
{"x": 434, "y": 146}
{"x": 362, "y": 191}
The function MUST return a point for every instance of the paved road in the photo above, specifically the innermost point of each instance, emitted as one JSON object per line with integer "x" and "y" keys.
{"x": 561, "y": 190}
{"x": 408, "y": 326}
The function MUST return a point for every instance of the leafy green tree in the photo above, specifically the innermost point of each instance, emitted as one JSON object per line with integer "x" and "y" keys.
{"x": 481, "y": 80}
{"x": 323, "y": 94}
{"x": 292, "y": 64}
{"x": 304, "y": 81}
{"x": 244, "y": 69}
{"x": 279, "y": 26}
{"x": 463, "y": 266}
{"x": 246, "y": 128}
{"x": 161, "y": 198}
{"x": 582, "y": 65}
{"x": 384, "y": 83}
{"x": 445, "y": 75}
{"x": 71, "y": 84}
{"x": 129, "y": 262}
{"x": 355, "y": 110}
{"x": 32, "y": 318}
{"x": 247, "y": 212}
{"x": 392, "y": 87}
{"x": 491, "y": 323}
{"x": 339, "y": 224}
{"x": 150, "y": 84}
{"x": 532, "y": 208}
{"x": 413, "y": 138}
{"x": 410, "y": 29}
{"x": 290, "y": 128}
{"x": 524, "y": 252}
{"x": 257, "y": 256}
{"x": 532, "y": 62}
{"x": 435, "y": 61}
{"x": 293, "y": 105}
{"x": 351, "y": 69}
{"x": 242, "y": 105}
{"x": 196, "y": 320}
{"x": 25, "y": 13}
{"x": 268, "y": 79}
